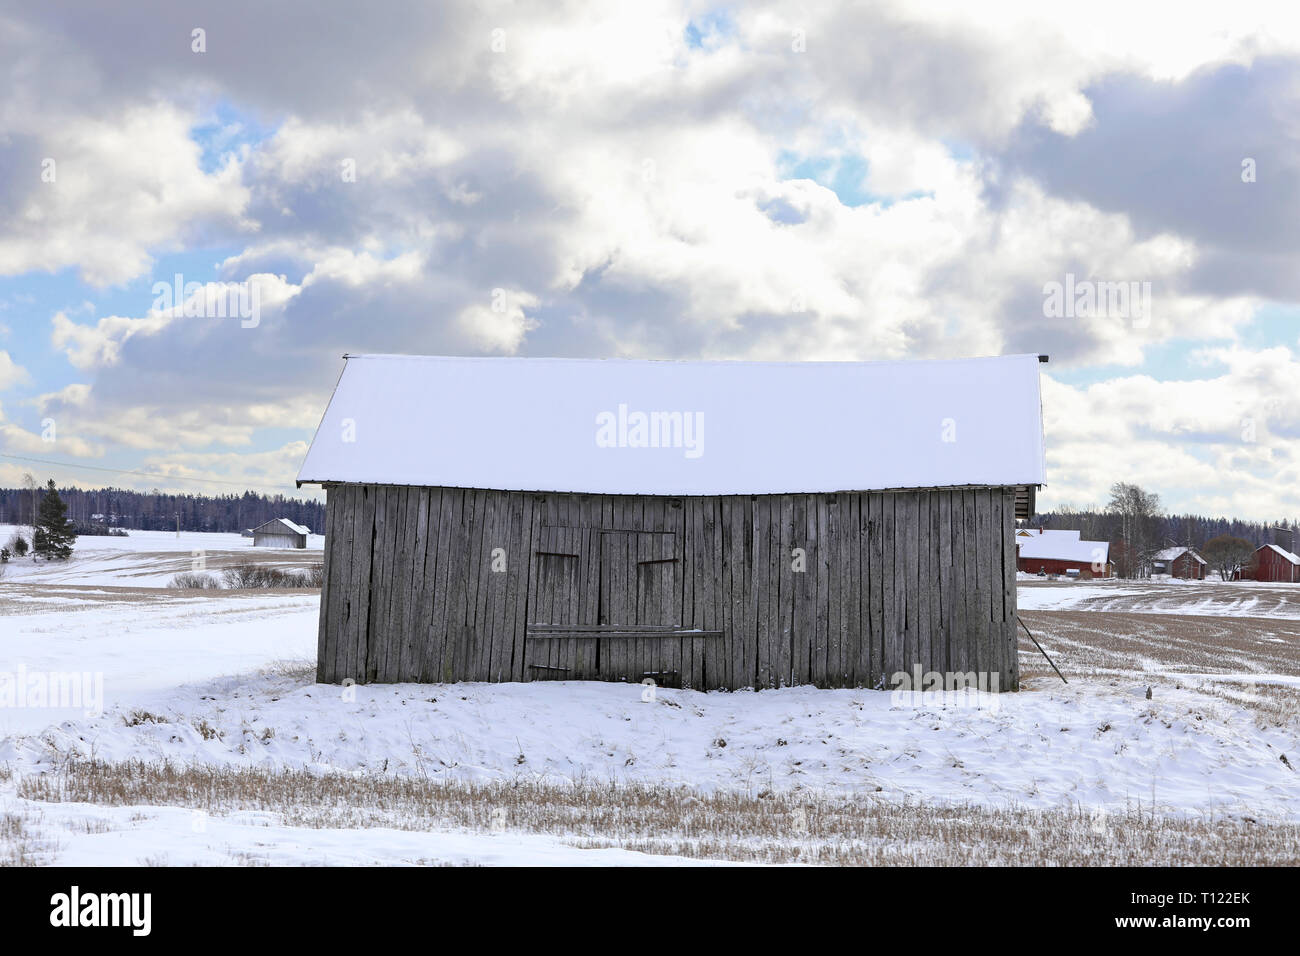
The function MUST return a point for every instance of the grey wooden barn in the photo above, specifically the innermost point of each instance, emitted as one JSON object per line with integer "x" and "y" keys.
{"x": 707, "y": 525}
{"x": 280, "y": 533}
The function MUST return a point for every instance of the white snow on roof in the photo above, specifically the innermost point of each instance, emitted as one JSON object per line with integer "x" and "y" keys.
{"x": 1064, "y": 548}
{"x": 1172, "y": 554}
{"x": 746, "y": 427}
{"x": 1294, "y": 559}
{"x": 297, "y": 528}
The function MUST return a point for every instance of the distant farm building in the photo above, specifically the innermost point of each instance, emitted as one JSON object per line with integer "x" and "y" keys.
{"x": 696, "y": 524}
{"x": 1062, "y": 553}
{"x": 1273, "y": 563}
{"x": 280, "y": 533}
{"x": 1180, "y": 563}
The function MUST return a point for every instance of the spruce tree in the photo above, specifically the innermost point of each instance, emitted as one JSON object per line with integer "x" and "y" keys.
{"x": 54, "y": 536}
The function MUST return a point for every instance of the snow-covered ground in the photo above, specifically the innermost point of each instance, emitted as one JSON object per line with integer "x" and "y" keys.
{"x": 151, "y": 558}
{"x": 1054, "y": 746}
{"x": 1164, "y": 596}
{"x": 137, "y": 647}
{"x": 201, "y": 679}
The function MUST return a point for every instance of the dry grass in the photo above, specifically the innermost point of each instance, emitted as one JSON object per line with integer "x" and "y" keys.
{"x": 262, "y": 575}
{"x": 194, "y": 581}
{"x": 20, "y": 844}
{"x": 767, "y": 828}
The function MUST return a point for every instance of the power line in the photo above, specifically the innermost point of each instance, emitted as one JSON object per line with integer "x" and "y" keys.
{"x": 125, "y": 471}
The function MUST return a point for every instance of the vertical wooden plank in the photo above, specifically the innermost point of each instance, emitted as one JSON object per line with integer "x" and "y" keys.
{"x": 997, "y": 581}
{"x": 426, "y": 573}
{"x": 692, "y": 594}
{"x": 344, "y": 530}
{"x": 731, "y": 576}
{"x": 833, "y": 531}
{"x": 750, "y": 643}
{"x": 677, "y": 596}
{"x": 417, "y": 536}
{"x": 905, "y": 528}
{"x": 684, "y": 581}
{"x": 783, "y": 654}
{"x": 804, "y": 596}
{"x": 875, "y": 574}
{"x": 819, "y": 565}
{"x": 585, "y": 652}
{"x": 983, "y": 606}
{"x": 971, "y": 602}
{"x": 892, "y": 576}
{"x": 503, "y": 520}
{"x": 458, "y": 637}
{"x": 437, "y": 663}
{"x": 846, "y": 538}
{"x": 337, "y": 567}
{"x": 532, "y": 652}
{"x": 488, "y": 588}
{"x": 378, "y": 648}
{"x": 710, "y": 587}
{"x": 943, "y": 632}
{"x": 390, "y": 500}
{"x": 363, "y": 548}
{"x": 859, "y": 601}
{"x": 1010, "y": 639}
{"x": 503, "y": 649}
{"x": 925, "y": 586}
{"x": 398, "y": 590}
{"x": 520, "y": 656}
{"x": 958, "y": 648}
{"x": 761, "y": 553}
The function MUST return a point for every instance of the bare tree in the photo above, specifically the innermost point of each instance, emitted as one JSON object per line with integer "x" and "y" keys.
{"x": 1228, "y": 554}
{"x": 1138, "y": 512}
{"x": 31, "y": 485}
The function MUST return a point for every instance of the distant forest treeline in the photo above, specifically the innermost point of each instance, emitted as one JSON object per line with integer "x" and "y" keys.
{"x": 1193, "y": 530}
{"x": 156, "y": 511}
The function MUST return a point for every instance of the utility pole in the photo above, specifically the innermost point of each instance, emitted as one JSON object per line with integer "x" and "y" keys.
{"x": 178, "y": 524}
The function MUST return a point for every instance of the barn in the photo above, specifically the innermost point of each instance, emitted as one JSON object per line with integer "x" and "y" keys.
{"x": 1180, "y": 562}
{"x": 697, "y": 524}
{"x": 280, "y": 533}
{"x": 1273, "y": 563}
{"x": 1063, "y": 553}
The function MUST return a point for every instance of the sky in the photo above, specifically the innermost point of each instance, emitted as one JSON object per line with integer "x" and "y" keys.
{"x": 204, "y": 206}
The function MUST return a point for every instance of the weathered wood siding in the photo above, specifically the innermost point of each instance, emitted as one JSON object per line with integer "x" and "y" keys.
{"x": 844, "y": 590}
{"x": 285, "y": 540}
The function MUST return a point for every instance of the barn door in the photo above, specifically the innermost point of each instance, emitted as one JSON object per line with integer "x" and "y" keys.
{"x": 604, "y": 605}
{"x": 640, "y": 605}
{"x": 562, "y": 599}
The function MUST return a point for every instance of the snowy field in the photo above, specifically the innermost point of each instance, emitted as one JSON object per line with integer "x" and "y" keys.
{"x": 1164, "y": 596}
{"x": 152, "y": 558}
{"x": 1172, "y": 717}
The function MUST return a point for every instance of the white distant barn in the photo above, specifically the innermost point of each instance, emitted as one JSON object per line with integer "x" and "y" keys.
{"x": 280, "y": 533}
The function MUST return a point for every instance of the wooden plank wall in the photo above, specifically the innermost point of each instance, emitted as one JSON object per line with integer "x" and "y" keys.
{"x": 844, "y": 590}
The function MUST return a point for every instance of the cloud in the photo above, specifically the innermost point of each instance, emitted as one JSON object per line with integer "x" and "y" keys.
{"x": 820, "y": 181}
{"x": 1226, "y": 444}
{"x": 11, "y": 373}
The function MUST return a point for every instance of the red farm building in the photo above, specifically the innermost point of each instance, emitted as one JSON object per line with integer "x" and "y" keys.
{"x": 1062, "y": 553}
{"x": 1273, "y": 563}
{"x": 1180, "y": 563}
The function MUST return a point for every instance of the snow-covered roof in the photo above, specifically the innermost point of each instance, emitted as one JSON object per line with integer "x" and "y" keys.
{"x": 270, "y": 526}
{"x": 1172, "y": 554}
{"x": 1293, "y": 558}
{"x": 1062, "y": 547}
{"x": 688, "y": 428}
